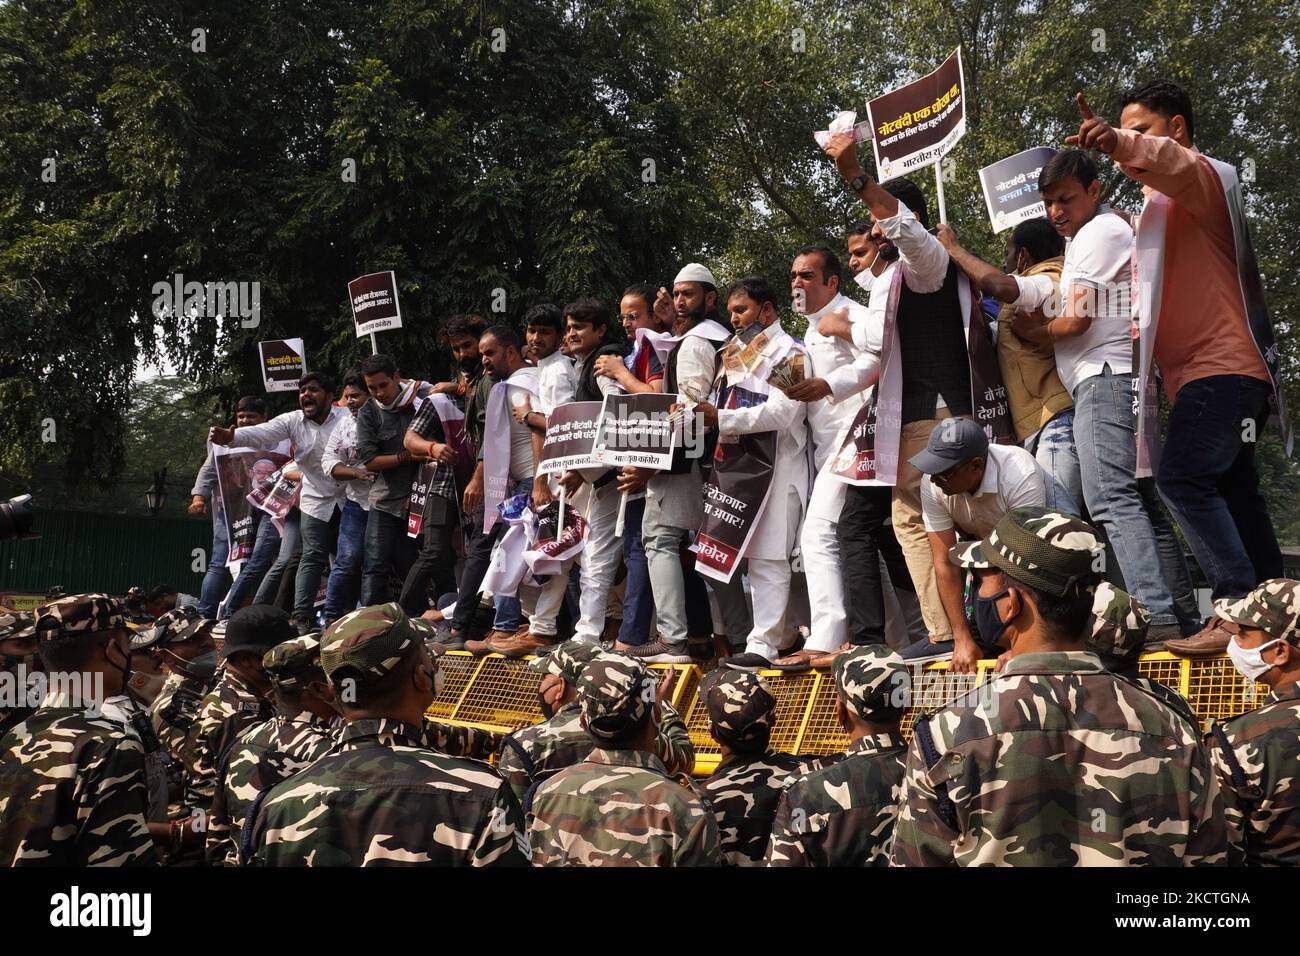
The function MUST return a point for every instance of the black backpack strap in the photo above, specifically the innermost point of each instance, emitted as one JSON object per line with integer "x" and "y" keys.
{"x": 921, "y": 728}
{"x": 1235, "y": 770}
{"x": 246, "y": 836}
{"x": 530, "y": 767}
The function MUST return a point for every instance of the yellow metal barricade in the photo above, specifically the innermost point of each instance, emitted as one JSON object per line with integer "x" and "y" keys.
{"x": 498, "y": 693}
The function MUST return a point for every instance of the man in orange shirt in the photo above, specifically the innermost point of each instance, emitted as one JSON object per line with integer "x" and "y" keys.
{"x": 1202, "y": 318}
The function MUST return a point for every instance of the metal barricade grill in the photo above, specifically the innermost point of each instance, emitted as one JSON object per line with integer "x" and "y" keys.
{"x": 498, "y": 693}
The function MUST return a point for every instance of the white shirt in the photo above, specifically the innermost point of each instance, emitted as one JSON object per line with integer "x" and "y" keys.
{"x": 1012, "y": 479}
{"x": 341, "y": 449}
{"x": 1098, "y": 258}
{"x": 1035, "y": 291}
{"x": 320, "y": 493}
{"x": 848, "y": 370}
{"x": 922, "y": 258}
{"x": 557, "y": 381}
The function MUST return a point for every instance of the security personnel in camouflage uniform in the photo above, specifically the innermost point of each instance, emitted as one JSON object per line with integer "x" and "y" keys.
{"x": 236, "y": 703}
{"x": 383, "y": 797}
{"x": 844, "y": 815}
{"x": 186, "y": 650}
{"x": 744, "y": 790}
{"x": 1054, "y": 761}
{"x": 534, "y": 753}
{"x": 620, "y": 807}
{"x": 18, "y": 660}
{"x": 301, "y": 732}
{"x": 72, "y": 788}
{"x": 1117, "y": 634}
{"x": 1256, "y": 756}
{"x": 453, "y": 740}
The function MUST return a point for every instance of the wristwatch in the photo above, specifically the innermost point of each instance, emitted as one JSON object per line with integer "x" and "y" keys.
{"x": 859, "y": 182}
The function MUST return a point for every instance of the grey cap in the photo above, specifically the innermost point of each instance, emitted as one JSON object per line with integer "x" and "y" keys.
{"x": 953, "y": 441}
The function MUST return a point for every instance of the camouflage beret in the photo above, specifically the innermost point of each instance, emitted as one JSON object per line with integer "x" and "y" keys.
{"x": 370, "y": 640}
{"x": 290, "y": 663}
{"x": 1048, "y": 550}
{"x": 873, "y": 682}
{"x": 79, "y": 613}
{"x": 15, "y": 625}
{"x": 741, "y": 705}
{"x": 1118, "y": 629}
{"x": 615, "y": 693}
{"x": 134, "y": 595}
{"x": 177, "y": 625}
{"x": 567, "y": 660}
{"x": 1273, "y": 607}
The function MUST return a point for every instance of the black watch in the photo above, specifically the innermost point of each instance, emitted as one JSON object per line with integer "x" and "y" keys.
{"x": 858, "y": 183}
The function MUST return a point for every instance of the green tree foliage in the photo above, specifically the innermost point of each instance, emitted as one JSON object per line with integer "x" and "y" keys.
{"x": 508, "y": 152}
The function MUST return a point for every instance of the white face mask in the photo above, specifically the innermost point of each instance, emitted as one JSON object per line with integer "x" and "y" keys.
{"x": 1249, "y": 661}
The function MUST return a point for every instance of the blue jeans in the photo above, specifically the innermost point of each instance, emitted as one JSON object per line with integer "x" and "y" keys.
{"x": 290, "y": 546}
{"x": 1053, "y": 447}
{"x": 1129, "y": 512}
{"x": 216, "y": 582}
{"x": 318, "y": 539}
{"x": 638, "y": 602}
{"x": 266, "y": 545}
{"x": 345, "y": 578}
{"x": 1207, "y": 477}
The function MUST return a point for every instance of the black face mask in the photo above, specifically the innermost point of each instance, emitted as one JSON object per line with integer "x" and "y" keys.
{"x": 547, "y": 710}
{"x": 986, "y": 618}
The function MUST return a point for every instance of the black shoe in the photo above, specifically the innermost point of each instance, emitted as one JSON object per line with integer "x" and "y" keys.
{"x": 746, "y": 662}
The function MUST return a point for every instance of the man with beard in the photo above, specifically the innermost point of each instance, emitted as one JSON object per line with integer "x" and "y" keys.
{"x": 675, "y": 498}
{"x": 309, "y": 429}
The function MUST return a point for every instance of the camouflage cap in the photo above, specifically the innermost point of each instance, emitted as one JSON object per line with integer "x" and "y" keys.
{"x": 292, "y": 663}
{"x": 567, "y": 660}
{"x": 134, "y": 595}
{"x": 85, "y": 613}
{"x": 615, "y": 692}
{"x": 16, "y": 625}
{"x": 174, "y": 627}
{"x": 1048, "y": 550}
{"x": 967, "y": 554}
{"x": 370, "y": 640}
{"x": 741, "y": 705}
{"x": 874, "y": 682}
{"x": 1118, "y": 629}
{"x": 1273, "y": 607}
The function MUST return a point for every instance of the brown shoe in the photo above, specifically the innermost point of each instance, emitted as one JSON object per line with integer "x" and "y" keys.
{"x": 1210, "y": 641}
{"x": 485, "y": 646}
{"x": 521, "y": 642}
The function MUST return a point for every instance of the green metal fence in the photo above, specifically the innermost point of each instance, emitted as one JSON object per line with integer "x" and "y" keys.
{"x": 86, "y": 551}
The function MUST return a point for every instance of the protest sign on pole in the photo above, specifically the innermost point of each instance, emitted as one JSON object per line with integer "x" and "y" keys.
{"x": 419, "y": 499}
{"x": 570, "y": 430}
{"x": 636, "y": 431}
{"x": 1011, "y": 187}
{"x": 916, "y": 125}
{"x": 375, "y": 305}
{"x": 239, "y": 472}
{"x": 284, "y": 361}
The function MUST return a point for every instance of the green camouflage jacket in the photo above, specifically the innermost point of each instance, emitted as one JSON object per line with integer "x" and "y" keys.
{"x": 1262, "y": 808}
{"x": 457, "y": 741}
{"x": 383, "y": 798}
{"x": 844, "y": 814}
{"x": 560, "y": 742}
{"x": 743, "y": 793}
{"x": 620, "y": 808}
{"x": 72, "y": 793}
{"x": 263, "y": 756}
{"x": 229, "y": 709}
{"x": 1055, "y": 762}
{"x": 1170, "y": 698}
{"x": 174, "y": 709}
